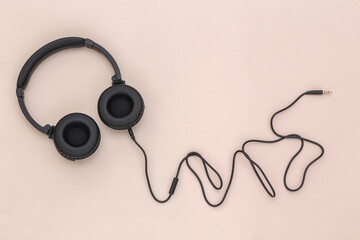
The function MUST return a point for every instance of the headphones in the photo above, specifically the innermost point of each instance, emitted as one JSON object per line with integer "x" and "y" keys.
{"x": 76, "y": 135}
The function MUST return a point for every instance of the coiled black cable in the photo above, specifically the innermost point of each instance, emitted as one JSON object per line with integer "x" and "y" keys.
{"x": 257, "y": 169}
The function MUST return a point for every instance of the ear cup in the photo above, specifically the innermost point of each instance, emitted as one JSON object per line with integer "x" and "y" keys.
{"x": 76, "y": 136}
{"x": 120, "y": 107}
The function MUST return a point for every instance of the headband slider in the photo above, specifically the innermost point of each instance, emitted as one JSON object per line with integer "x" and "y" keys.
{"x": 20, "y": 92}
{"x": 89, "y": 43}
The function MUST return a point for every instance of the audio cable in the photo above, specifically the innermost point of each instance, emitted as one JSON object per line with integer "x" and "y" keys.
{"x": 257, "y": 169}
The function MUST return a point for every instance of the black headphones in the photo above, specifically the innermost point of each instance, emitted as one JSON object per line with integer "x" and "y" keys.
{"x": 120, "y": 107}
{"x": 76, "y": 135}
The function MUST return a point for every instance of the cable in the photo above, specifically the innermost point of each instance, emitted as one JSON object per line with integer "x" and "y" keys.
{"x": 175, "y": 180}
{"x": 257, "y": 169}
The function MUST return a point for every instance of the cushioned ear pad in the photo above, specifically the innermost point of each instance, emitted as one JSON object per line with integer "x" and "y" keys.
{"x": 120, "y": 107}
{"x": 76, "y": 136}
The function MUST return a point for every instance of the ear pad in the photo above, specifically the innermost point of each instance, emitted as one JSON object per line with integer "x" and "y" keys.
{"x": 76, "y": 136}
{"x": 120, "y": 107}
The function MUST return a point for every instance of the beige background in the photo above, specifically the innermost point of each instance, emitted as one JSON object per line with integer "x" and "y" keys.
{"x": 211, "y": 74}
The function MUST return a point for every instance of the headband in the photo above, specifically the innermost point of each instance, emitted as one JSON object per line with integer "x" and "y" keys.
{"x": 46, "y": 51}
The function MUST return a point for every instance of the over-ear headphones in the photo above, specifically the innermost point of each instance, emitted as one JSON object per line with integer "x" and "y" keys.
{"x": 76, "y": 135}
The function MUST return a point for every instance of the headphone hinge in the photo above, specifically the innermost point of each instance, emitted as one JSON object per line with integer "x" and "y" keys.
{"x": 50, "y": 130}
{"x": 116, "y": 80}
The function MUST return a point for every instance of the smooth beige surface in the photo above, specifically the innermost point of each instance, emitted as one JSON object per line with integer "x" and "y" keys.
{"x": 211, "y": 74}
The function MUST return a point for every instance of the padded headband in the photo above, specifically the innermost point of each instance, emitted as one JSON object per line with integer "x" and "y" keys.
{"x": 43, "y": 53}
{"x": 58, "y": 45}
